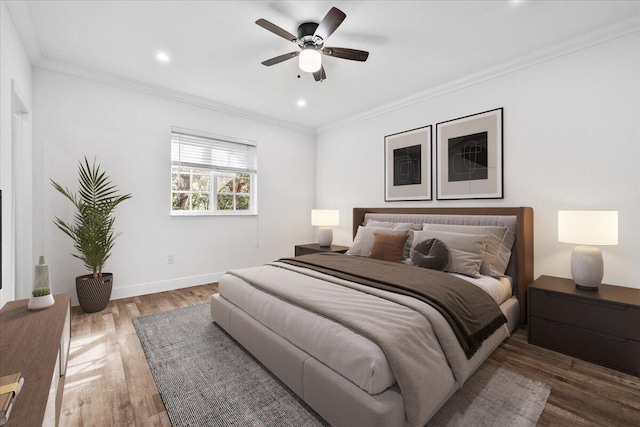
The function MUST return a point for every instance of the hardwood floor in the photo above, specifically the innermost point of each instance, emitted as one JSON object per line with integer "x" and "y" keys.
{"x": 582, "y": 393}
{"x": 108, "y": 380}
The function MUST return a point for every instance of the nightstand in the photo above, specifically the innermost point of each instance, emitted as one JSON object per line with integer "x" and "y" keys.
{"x": 602, "y": 327}
{"x": 314, "y": 248}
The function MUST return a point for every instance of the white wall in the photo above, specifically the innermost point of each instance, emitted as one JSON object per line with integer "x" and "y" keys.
{"x": 14, "y": 67}
{"x": 129, "y": 132}
{"x": 571, "y": 141}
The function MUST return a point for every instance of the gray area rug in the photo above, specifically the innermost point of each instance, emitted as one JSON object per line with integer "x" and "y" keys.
{"x": 207, "y": 379}
{"x": 494, "y": 396}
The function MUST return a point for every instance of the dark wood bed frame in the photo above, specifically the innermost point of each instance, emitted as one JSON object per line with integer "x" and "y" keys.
{"x": 524, "y": 238}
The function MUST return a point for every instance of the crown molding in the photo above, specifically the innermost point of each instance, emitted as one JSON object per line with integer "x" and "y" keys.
{"x": 63, "y": 67}
{"x": 602, "y": 35}
{"x": 21, "y": 17}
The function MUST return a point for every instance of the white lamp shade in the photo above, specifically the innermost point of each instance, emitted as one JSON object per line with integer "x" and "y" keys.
{"x": 325, "y": 217}
{"x": 597, "y": 228}
{"x": 310, "y": 60}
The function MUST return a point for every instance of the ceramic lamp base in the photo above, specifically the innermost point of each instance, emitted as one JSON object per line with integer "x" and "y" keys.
{"x": 587, "y": 267}
{"x": 325, "y": 236}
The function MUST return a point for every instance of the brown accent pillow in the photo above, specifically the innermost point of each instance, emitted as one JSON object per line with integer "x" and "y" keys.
{"x": 388, "y": 247}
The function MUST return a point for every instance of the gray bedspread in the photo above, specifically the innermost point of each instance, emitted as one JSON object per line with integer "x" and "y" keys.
{"x": 472, "y": 313}
{"x": 424, "y": 362}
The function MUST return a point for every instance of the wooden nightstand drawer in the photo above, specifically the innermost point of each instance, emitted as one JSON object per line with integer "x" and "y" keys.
{"x": 603, "y": 316}
{"x": 612, "y": 351}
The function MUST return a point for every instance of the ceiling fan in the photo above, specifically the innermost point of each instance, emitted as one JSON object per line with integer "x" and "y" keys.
{"x": 310, "y": 40}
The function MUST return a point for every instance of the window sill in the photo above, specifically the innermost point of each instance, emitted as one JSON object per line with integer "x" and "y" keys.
{"x": 206, "y": 213}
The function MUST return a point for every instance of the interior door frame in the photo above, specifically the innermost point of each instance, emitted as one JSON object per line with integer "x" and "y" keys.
{"x": 21, "y": 195}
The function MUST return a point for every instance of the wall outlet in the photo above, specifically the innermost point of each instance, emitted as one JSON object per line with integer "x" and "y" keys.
{"x": 170, "y": 259}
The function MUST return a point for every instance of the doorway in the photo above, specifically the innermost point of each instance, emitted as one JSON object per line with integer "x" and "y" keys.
{"x": 21, "y": 240}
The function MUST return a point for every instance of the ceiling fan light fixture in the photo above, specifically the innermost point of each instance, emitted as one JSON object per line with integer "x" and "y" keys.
{"x": 162, "y": 57}
{"x": 310, "y": 60}
{"x": 311, "y": 39}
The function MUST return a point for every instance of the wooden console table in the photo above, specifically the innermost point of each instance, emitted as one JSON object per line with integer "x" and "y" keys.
{"x": 36, "y": 343}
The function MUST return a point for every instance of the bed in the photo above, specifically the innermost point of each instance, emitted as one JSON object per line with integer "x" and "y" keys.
{"x": 340, "y": 344}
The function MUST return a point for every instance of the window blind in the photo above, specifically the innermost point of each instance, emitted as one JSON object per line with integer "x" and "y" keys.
{"x": 205, "y": 151}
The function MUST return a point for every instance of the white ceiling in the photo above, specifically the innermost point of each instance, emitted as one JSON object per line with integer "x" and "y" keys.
{"x": 216, "y": 47}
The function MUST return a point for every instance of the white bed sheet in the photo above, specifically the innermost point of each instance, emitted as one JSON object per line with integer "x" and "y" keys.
{"x": 500, "y": 289}
{"x": 352, "y": 355}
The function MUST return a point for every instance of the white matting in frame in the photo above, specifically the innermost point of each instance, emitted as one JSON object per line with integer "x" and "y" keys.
{"x": 469, "y": 157}
{"x": 407, "y": 165}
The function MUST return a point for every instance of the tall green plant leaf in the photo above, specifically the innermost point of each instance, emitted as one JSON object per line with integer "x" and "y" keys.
{"x": 92, "y": 229}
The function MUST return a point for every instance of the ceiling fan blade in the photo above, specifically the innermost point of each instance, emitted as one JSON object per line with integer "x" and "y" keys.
{"x": 344, "y": 53}
{"x": 320, "y": 74}
{"x": 279, "y": 59}
{"x": 329, "y": 24}
{"x": 276, "y": 30}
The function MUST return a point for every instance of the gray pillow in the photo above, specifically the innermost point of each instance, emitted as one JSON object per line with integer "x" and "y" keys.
{"x": 430, "y": 253}
{"x": 363, "y": 242}
{"x": 393, "y": 225}
{"x": 499, "y": 243}
{"x": 466, "y": 251}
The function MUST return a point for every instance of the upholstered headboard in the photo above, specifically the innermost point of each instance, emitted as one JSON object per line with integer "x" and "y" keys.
{"x": 519, "y": 220}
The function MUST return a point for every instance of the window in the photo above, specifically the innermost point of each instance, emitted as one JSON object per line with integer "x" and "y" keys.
{"x": 212, "y": 175}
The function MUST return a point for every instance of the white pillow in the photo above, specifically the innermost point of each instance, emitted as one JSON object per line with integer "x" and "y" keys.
{"x": 363, "y": 242}
{"x": 499, "y": 243}
{"x": 466, "y": 251}
{"x": 393, "y": 225}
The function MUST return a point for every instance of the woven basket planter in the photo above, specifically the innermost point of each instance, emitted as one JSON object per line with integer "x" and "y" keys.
{"x": 94, "y": 293}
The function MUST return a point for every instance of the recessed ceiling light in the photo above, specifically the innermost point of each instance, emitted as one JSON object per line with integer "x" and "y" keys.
{"x": 301, "y": 103}
{"x": 162, "y": 57}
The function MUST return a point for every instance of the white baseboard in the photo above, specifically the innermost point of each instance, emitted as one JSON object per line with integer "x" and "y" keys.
{"x": 155, "y": 287}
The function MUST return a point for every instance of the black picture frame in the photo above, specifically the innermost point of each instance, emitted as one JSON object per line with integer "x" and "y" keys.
{"x": 469, "y": 157}
{"x": 407, "y": 165}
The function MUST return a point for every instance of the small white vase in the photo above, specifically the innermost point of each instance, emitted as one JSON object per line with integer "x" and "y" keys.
{"x": 38, "y": 303}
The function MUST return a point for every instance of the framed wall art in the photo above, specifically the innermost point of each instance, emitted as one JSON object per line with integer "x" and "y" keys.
{"x": 469, "y": 157}
{"x": 407, "y": 165}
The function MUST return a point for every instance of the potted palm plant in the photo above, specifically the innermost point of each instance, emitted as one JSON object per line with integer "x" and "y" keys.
{"x": 92, "y": 232}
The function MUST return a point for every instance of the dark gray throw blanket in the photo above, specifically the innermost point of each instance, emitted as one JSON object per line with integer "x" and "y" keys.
{"x": 473, "y": 315}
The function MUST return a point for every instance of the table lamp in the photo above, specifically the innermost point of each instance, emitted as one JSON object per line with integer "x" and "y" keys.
{"x": 587, "y": 229}
{"x": 324, "y": 219}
